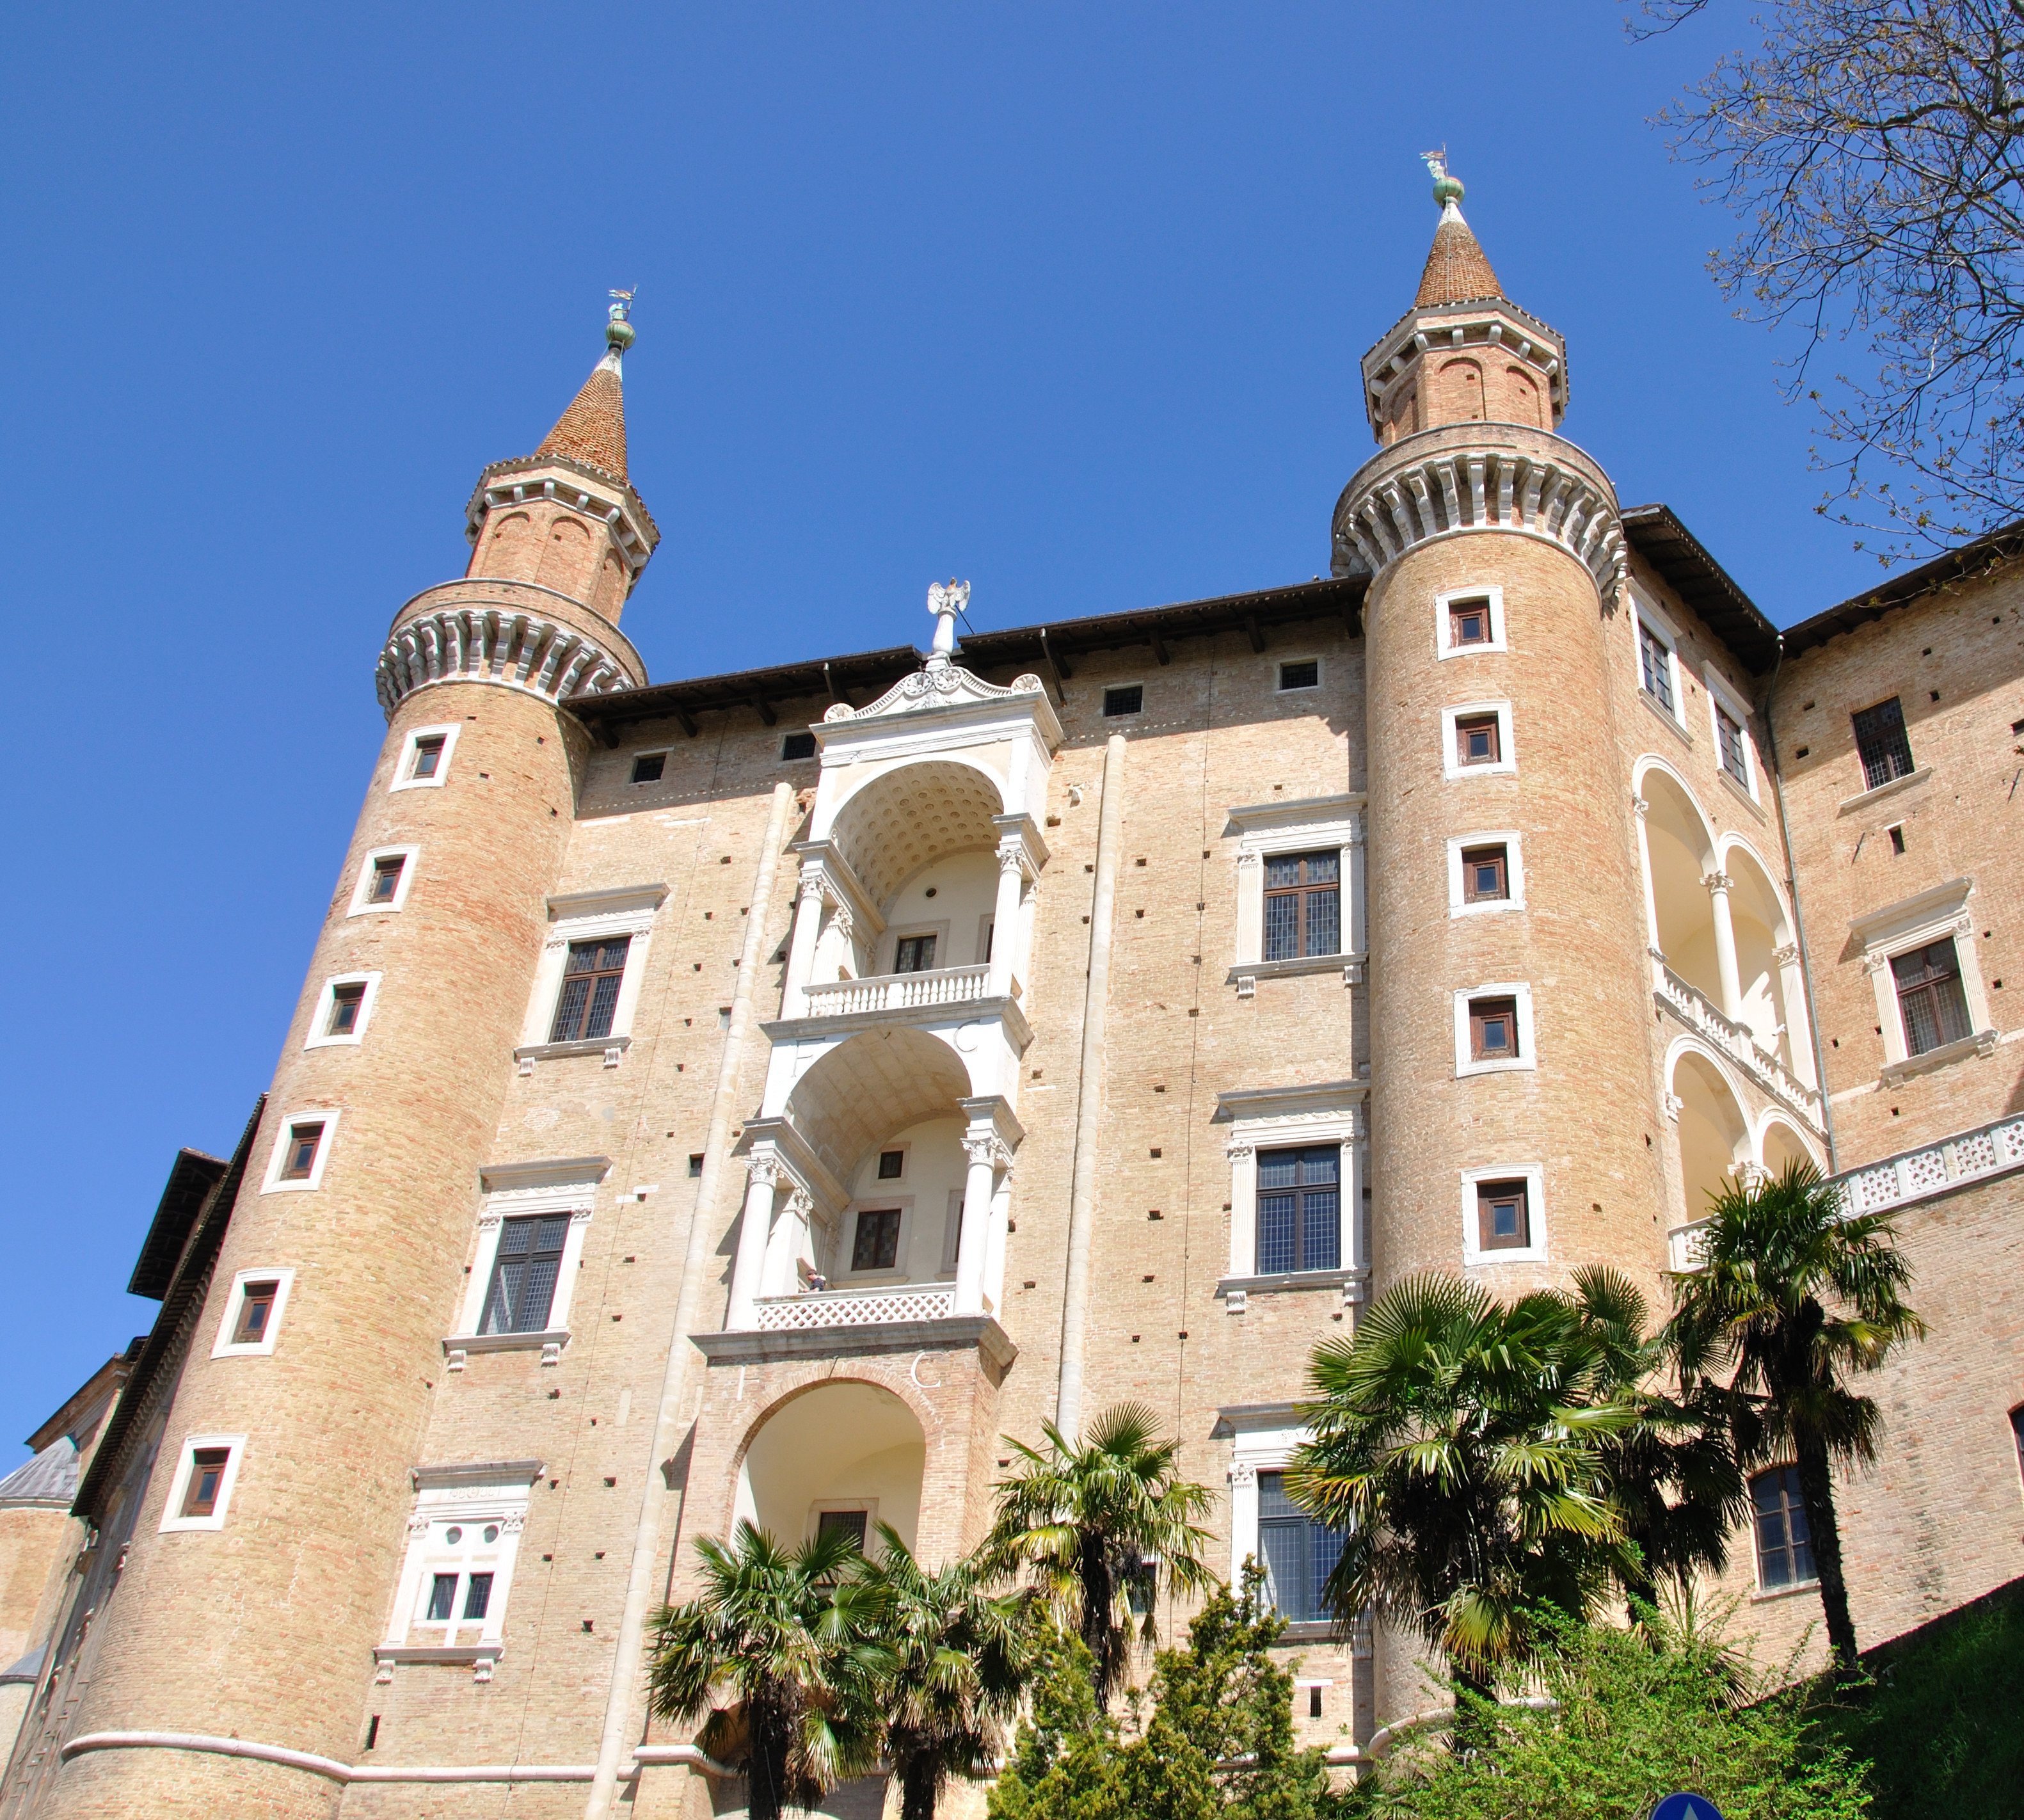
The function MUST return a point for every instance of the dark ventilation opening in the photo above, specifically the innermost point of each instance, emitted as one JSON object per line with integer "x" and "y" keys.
{"x": 647, "y": 768}
{"x": 1130, "y": 700}
{"x": 798, "y": 746}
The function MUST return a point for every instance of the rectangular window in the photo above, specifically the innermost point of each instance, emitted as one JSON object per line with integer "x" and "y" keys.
{"x": 647, "y": 768}
{"x": 1486, "y": 874}
{"x": 877, "y": 1244}
{"x": 386, "y": 879}
{"x": 1304, "y": 674}
{"x": 1881, "y": 738}
{"x": 1930, "y": 997}
{"x": 1468, "y": 622}
{"x": 428, "y": 755}
{"x": 851, "y": 1523}
{"x": 1784, "y": 1544}
{"x": 256, "y": 1304}
{"x": 1656, "y": 658}
{"x": 797, "y": 746}
{"x": 1476, "y": 742}
{"x": 1730, "y": 735}
{"x": 1302, "y": 904}
{"x": 298, "y": 1162}
{"x": 590, "y": 990}
{"x": 206, "y": 1475}
{"x": 914, "y": 954}
{"x": 478, "y": 1595}
{"x": 1493, "y": 1030}
{"x": 1503, "y": 1217}
{"x": 1129, "y": 700}
{"x": 1297, "y": 1553}
{"x": 523, "y": 1275}
{"x": 442, "y": 1598}
{"x": 345, "y": 1004}
{"x": 1299, "y": 1209}
{"x": 695, "y": 1164}
{"x": 891, "y": 1163}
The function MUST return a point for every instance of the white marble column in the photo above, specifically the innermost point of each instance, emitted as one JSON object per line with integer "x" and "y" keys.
{"x": 801, "y": 945}
{"x": 1717, "y": 885}
{"x": 987, "y": 1155}
{"x": 1639, "y": 808}
{"x": 1005, "y": 917}
{"x": 765, "y": 1175}
{"x": 1792, "y": 1009}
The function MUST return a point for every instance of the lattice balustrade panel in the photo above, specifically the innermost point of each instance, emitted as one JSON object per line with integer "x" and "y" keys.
{"x": 796, "y": 1313}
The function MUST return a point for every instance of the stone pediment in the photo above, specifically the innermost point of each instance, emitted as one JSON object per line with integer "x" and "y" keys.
{"x": 938, "y": 685}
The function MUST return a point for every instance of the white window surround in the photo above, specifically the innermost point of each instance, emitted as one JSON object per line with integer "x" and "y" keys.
{"x": 403, "y": 779}
{"x": 1303, "y": 826}
{"x": 469, "y": 1498}
{"x": 1723, "y": 698}
{"x": 1514, "y": 871}
{"x": 359, "y": 906}
{"x": 663, "y": 753}
{"x": 590, "y": 916}
{"x": 1264, "y": 1437}
{"x": 327, "y": 1116}
{"x": 320, "y": 1017}
{"x": 1534, "y": 1179}
{"x": 889, "y": 944}
{"x": 567, "y": 1185}
{"x": 235, "y": 1447}
{"x": 1668, "y": 634}
{"x": 1444, "y": 627}
{"x": 1329, "y": 1112}
{"x": 1506, "y": 761}
{"x": 905, "y": 1147}
{"x": 1279, "y": 685}
{"x": 1528, "y": 1054}
{"x": 1916, "y": 922}
{"x": 283, "y": 1281}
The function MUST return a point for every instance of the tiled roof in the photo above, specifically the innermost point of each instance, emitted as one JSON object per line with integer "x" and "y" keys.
{"x": 592, "y": 429}
{"x": 50, "y": 1478}
{"x": 1456, "y": 272}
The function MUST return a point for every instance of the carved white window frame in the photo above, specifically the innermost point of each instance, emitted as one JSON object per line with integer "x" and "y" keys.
{"x": 1264, "y": 1438}
{"x": 404, "y": 778}
{"x": 1514, "y": 872}
{"x": 578, "y": 1201}
{"x": 226, "y": 1347}
{"x": 1312, "y": 825}
{"x": 889, "y": 940}
{"x": 1723, "y": 699}
{"x": 1918, "y": 922}
{"x": 469, "y": 1498}
{"x": 326, "y": 999}
{"x": 327, "y": 1116}
{"x": 1444, "y": 627}
{"x": 1293, "y": 1118}
{"x": 235, "y": 1448}
{"x": 1528, "y": 1049}
{"x": 1534, "y": 1177}
{"x": 399, "y": 900}
{"x": 1503, "y": 764}
{"x": 591, "y": 916}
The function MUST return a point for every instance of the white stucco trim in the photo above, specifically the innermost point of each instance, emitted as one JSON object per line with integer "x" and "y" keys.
{"x": 320, "y": 1017}
{"x": 1916, "y": 922}
{"x": 1293, "y": 1118}
{"x": 1648, "y": 612}
{"x": 235, "y": 1447}
{"x": 471, "y": 1503}
{"x": 403, "y": 767}
{"x": 592, "y": 916}
{"x": 1514, "y": 871}
{"x": 1443, "y": 626}
{"x": 1506, "y": 762}
{"x": 327, "y": 1116}
{"x": 1721, "y": 696}
{"x": 360, "y": 885}
{"x": 1534, "y": 1177}
{"x": 578, "y": 1200}
{"x": 1313, "y": 824}
{"x": 1528, "y": 1051}
{"x": 283, "y": 1281}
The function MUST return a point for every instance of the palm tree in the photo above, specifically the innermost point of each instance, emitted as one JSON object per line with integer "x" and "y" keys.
{"x": 1103, "y": 1524}
{"x": 791, "y": 1633}
{"x": 1458, "y": 1445}
{"x": 1789, "y": 1297}
{"x": 1672, "y": 1473}
{"x": 958, "y": 1660}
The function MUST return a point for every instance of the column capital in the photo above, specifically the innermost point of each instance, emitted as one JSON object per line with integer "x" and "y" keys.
{"x": 1717, "y": 881}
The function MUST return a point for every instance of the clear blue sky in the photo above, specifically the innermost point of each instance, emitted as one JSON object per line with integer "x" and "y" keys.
{"x": 1067, "y": 299}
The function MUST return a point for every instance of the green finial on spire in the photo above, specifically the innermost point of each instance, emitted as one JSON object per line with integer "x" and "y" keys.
{"x": 1447, "y": 190}
{"x": 619, "y": 332}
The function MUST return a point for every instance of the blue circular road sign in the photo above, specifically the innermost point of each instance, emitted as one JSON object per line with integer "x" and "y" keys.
{"x": 1686, "y": 1807}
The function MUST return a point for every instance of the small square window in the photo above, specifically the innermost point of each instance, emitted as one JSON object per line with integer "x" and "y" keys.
{"x": 1503, "y": 1218}
{"x": 914, "y": 954}
{"x": 1486, "y": 874}
{"x": 299, "y": 1158}
{"x": 207, "y": 1477}
{"x": 1128, "y": 700}
{"x": 386, "y": 882}
{"x": 876, "y": 1244}
{"x": 1468, "y": 622}
{"x": 1477, "y": 739}
{"x": 1304, "y": 674}
{"x": 798, "y": 746}
{"x": 256, "y": 1309}
{"x": 1493, "y": 1030}
{"x": 851, "y": 1523}
{"x": 695, "y": 1164}
{"x": 427, "y": 755}
{"x": 346, "y": 1002}
{"x": 890, "y": 1165}
{"x": 647, "y": 768}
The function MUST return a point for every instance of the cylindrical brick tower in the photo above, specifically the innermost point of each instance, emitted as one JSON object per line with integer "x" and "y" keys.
{"x": 261, "y": 1625}
{"x": 1509, "y": 980}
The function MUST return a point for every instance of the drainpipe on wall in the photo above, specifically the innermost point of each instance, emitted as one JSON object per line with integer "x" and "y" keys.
{"x": 1798, "y": 910}
{"x": 1089, "y": 1096}
{"x": 622, "y": 1710}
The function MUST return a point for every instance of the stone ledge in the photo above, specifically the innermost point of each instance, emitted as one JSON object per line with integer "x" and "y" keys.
{"x": 749, "y": 1346}
{"x": 1981, "y": 1042}
{"x": 1862, "y": 799}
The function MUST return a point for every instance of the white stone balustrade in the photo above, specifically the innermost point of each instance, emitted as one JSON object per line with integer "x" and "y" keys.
{"x": 1700, "y": 1014}
{"x": 855, "y": 1308}
{"x": 896, "y": 992}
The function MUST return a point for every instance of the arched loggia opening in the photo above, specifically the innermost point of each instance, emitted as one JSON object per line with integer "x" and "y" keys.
{"x": 846, "y": 1454}
{"x": 1714, "y": 1133}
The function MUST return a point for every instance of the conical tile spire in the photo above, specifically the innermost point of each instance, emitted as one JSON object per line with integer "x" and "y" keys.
{"x": 592, "y": 429}
{"x": 1457, "y": 271}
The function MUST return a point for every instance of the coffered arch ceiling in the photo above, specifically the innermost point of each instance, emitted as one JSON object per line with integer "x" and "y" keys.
{"x": 907, "y": 818}
{"x": 863, "y": 1090}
